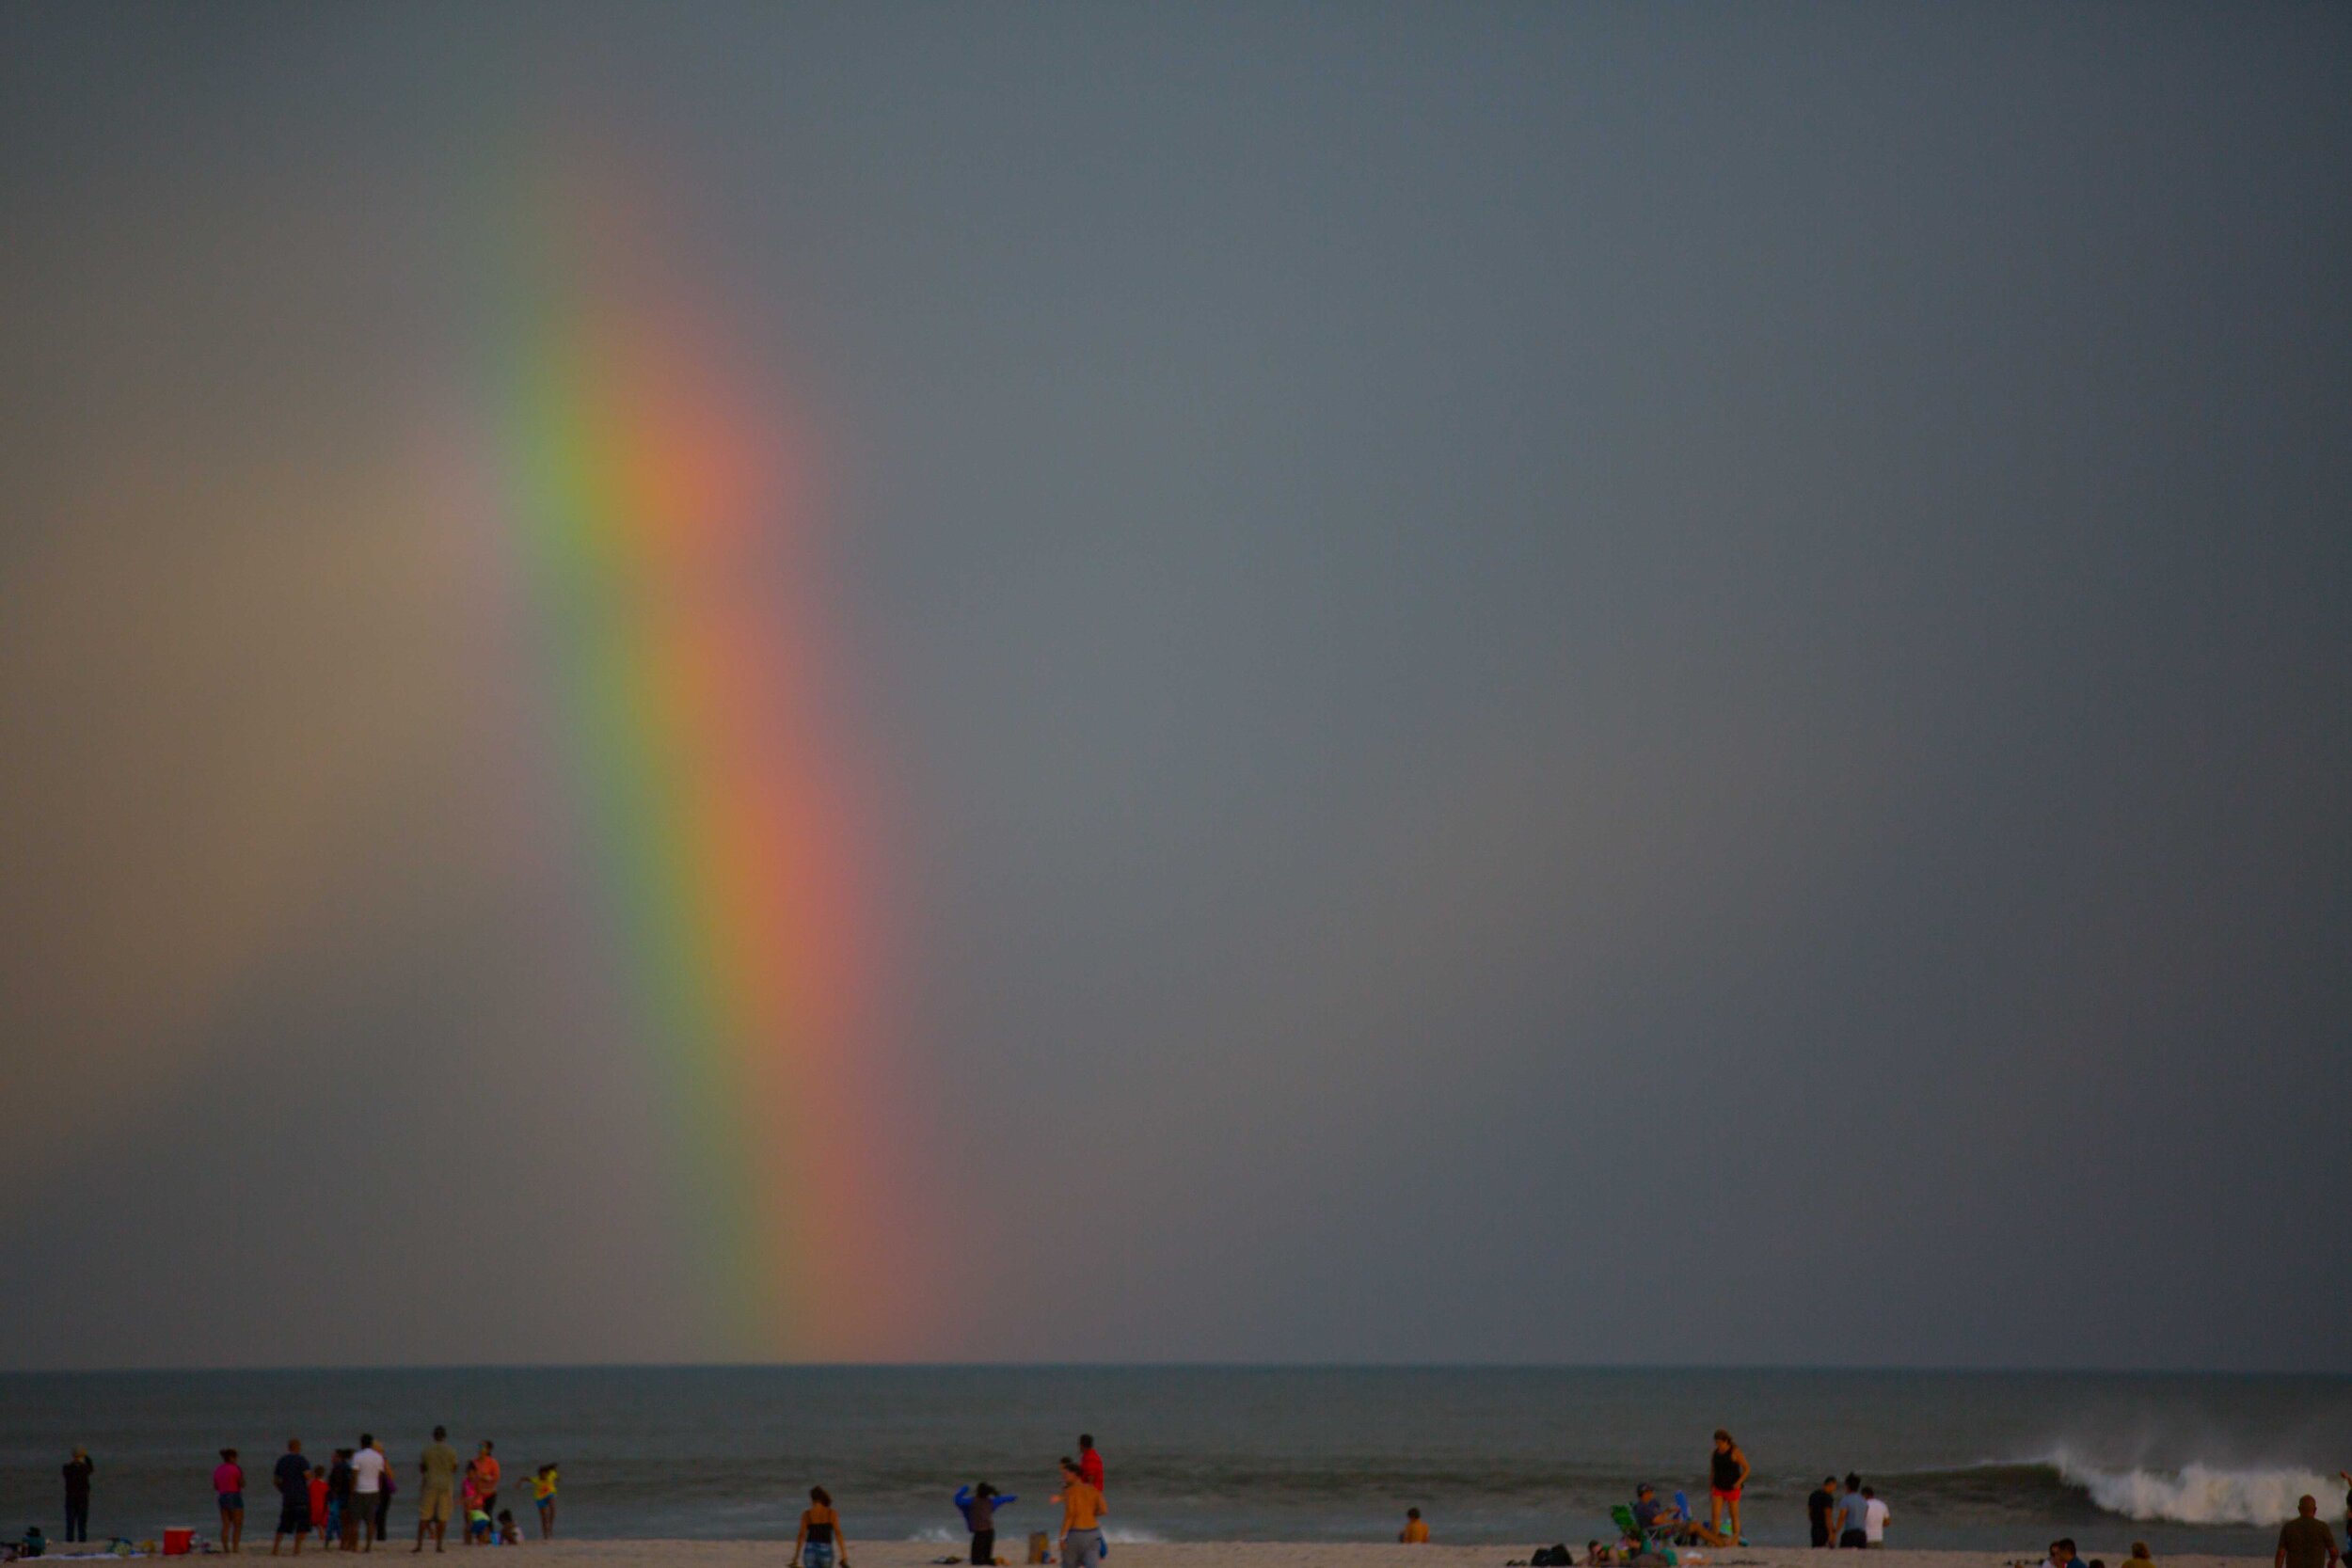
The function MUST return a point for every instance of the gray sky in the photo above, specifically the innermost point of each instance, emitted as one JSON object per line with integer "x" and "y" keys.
{"x": 1565, "y": 684}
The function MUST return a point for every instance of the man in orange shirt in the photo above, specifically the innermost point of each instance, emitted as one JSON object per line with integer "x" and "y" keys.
{"x": 1416, "y": 1530}
{"x": 486, "y": 1479}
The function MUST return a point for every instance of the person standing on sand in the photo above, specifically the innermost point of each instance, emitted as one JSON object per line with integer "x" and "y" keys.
{"x": 340, "y": 1500}
{"x": 292, "y": 1478}
{"x": 77, "y": 1473}
{"x": 820, "y": 1542}
{"x": 1727, "y": 1475}
{"x": 1090, "y": 1469}
{"x": 318, "y": 1502}
{"x": 367, "y": 1488}
{"x": 2305, "y": 1540}
{"x": 486, "y": 1477}
{"x": 1874, "y": 1515}
{"x": 1820, "y": 1509}
{"x": 229, "y": 1491}
{"x": 543, "y": 1493}
{"x": 1416, "y": 1530}
{"x": 1081, "y": 1511}
{"x": 1850, "y": 1531}
{"x": 438, "y": 1471}
{"x": 338, "y": 1476}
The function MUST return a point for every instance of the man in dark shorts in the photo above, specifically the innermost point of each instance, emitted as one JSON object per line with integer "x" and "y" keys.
{"x": 293, "y": 1476}
{"x": 1850, "y": 1515}
{"x": 1821, "y": 1507}
{"x": 2305, "y": 1540}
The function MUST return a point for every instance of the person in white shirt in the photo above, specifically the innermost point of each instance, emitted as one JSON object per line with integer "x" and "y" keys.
{"x": 367, "y": 1479}
{"x": 1874, "y": 1515}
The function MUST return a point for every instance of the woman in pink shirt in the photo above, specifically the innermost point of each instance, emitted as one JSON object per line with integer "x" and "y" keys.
{"x": 228, "y": 1488}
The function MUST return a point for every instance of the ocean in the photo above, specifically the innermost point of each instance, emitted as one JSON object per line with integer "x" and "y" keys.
{"x": 1995, "y": 1461}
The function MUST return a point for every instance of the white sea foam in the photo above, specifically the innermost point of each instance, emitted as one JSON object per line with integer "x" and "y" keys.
{"x": 2195, "y": 1493}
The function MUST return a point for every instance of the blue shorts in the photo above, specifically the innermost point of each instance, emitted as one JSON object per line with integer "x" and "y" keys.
{"x": 231, "y": 1499}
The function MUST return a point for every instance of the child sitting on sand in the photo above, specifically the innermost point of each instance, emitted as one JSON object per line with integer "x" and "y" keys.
{"x": 510, "y": 1534}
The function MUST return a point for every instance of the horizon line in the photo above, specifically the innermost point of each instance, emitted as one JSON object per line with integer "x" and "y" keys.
{"x": 1849, "y": 1369}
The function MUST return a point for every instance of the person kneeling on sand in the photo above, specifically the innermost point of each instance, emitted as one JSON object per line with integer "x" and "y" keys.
{"x": 1416, "y": 1530}
{"x": 978, "y": 1505}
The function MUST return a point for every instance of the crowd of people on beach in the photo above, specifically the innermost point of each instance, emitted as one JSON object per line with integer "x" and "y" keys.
{"x": 347, "y": 1503}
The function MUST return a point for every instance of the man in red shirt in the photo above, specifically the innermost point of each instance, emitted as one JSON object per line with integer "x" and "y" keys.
{"x": 1089, "y": 1462}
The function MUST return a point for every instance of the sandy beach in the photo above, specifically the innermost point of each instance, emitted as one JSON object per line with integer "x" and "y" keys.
{"x": 1240, "y": 1554}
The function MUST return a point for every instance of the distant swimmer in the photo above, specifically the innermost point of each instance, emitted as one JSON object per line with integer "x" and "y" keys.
{"x": 1416, "y": 1530}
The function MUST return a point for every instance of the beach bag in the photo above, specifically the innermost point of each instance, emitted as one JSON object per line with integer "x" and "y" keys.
{"x": 1038, "y": 1541}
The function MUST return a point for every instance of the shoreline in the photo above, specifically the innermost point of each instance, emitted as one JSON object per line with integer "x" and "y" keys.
{"x": 657, "y": 1553}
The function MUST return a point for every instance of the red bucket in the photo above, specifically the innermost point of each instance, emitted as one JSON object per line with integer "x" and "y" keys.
{"x": 179, "y": 1540}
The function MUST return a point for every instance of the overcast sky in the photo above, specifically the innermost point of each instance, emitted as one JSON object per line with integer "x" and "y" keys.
{"x": 1546, "y": 683}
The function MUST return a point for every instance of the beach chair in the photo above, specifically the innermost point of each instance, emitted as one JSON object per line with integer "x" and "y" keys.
{"x": 1645, "y": 1543}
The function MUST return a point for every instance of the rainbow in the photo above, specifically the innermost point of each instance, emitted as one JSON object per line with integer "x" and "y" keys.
{"x": 658, "y": 515}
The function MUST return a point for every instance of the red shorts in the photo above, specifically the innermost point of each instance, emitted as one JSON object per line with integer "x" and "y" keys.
{"x": 1723, "y": 1497}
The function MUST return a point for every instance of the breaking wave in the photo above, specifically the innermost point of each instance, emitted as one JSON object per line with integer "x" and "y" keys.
{"x": 2195, "y": 1493}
